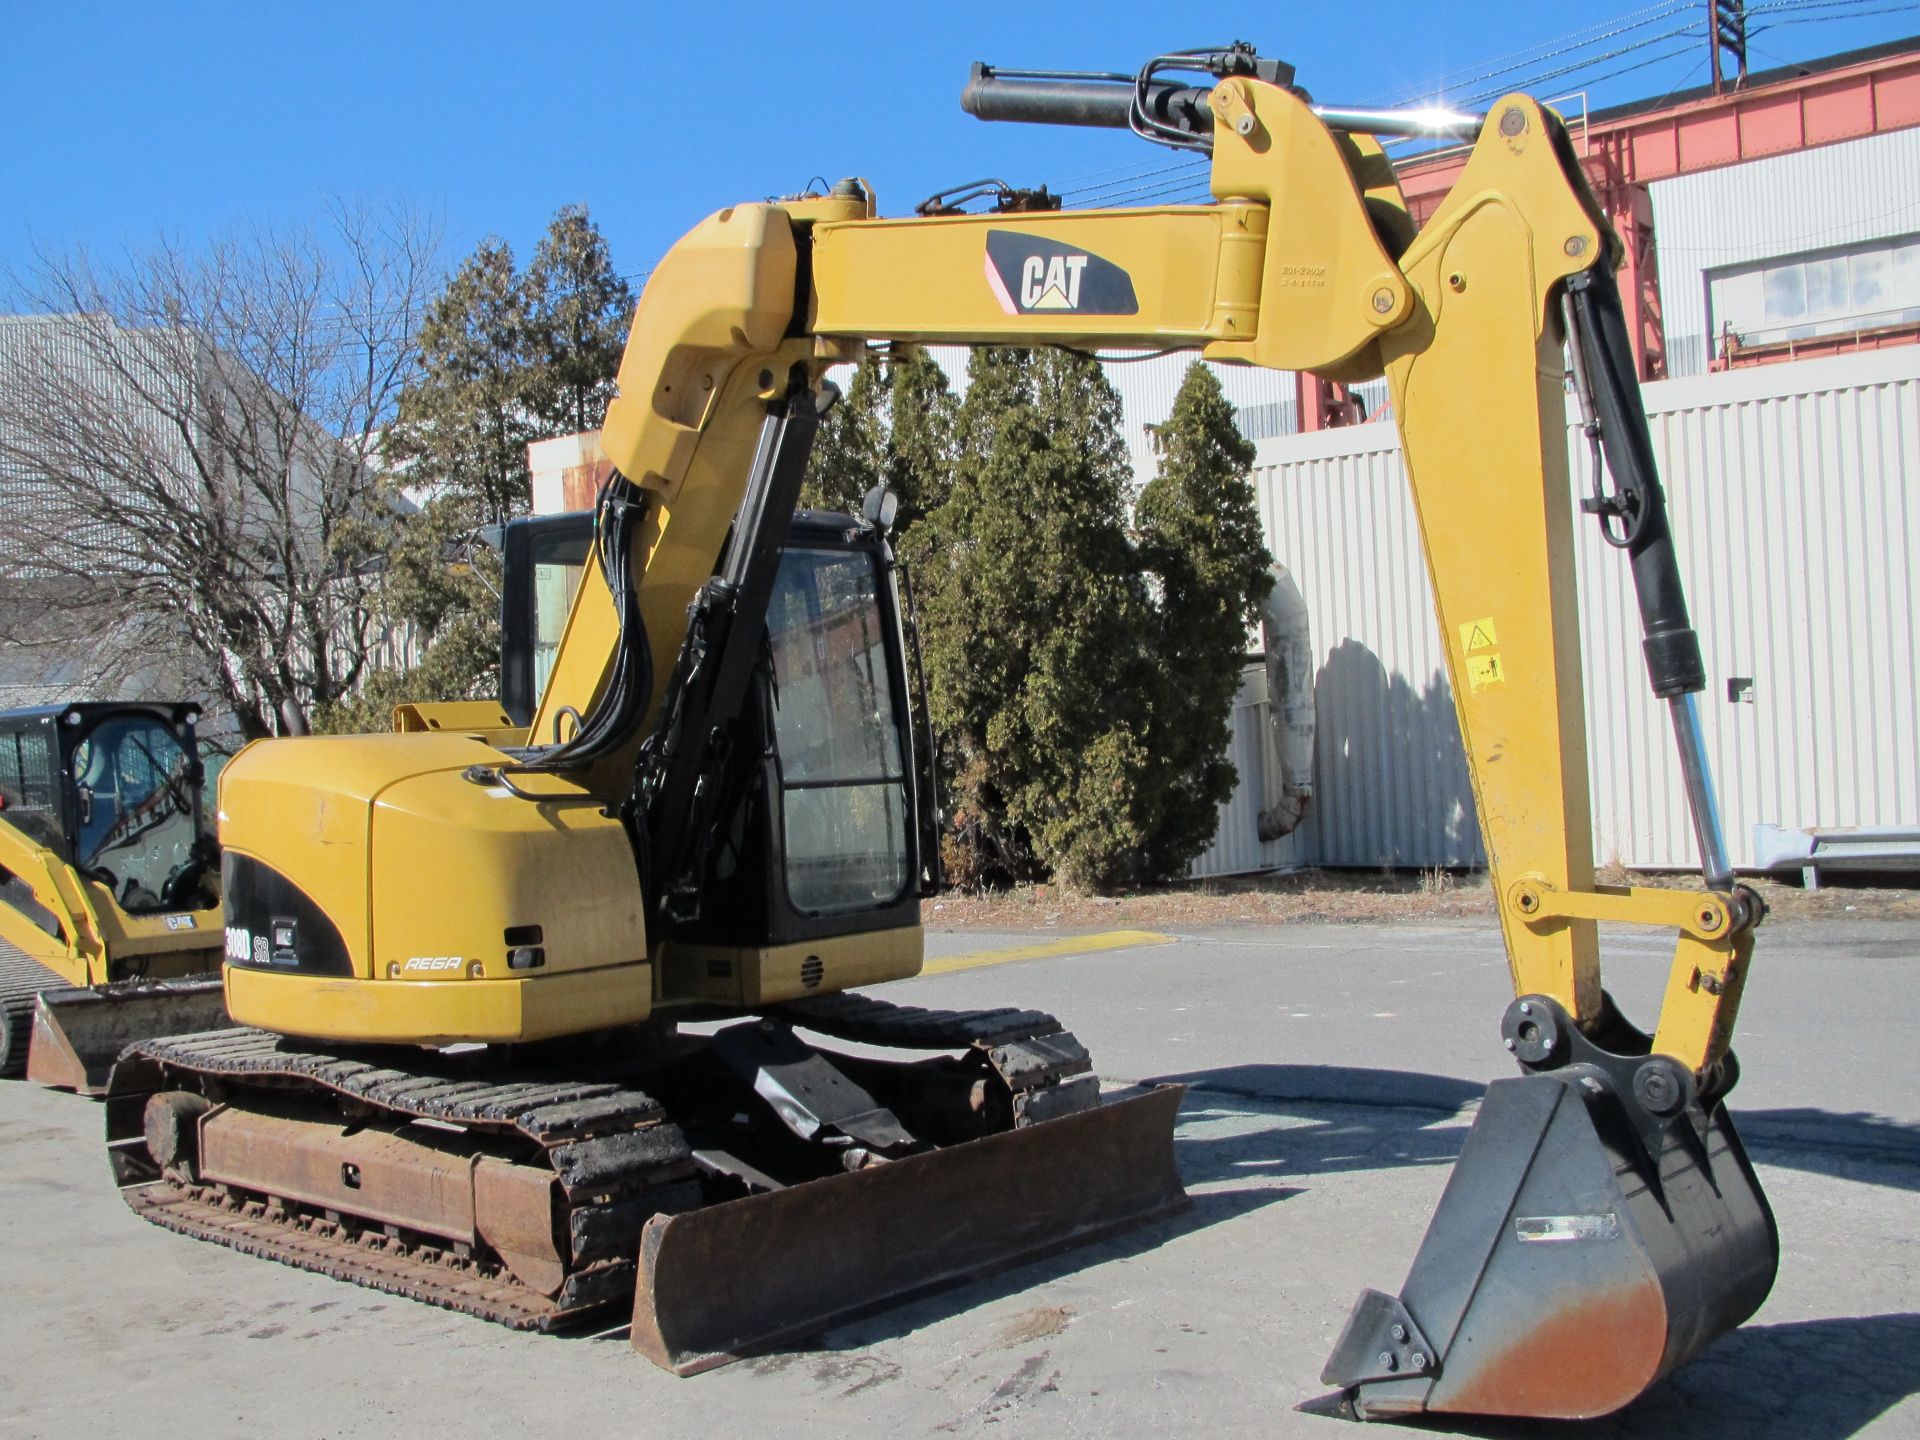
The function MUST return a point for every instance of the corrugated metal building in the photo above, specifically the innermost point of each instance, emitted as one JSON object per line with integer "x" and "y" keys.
{"x": 1795, "y": 492}
{"x": 1817, "y": 241}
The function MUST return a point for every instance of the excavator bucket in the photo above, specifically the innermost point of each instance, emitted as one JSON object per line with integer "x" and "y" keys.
{"x": 78, "y": 1032}
{"x": 738, "y": 1276}
{"x": 1581, "y": 1251}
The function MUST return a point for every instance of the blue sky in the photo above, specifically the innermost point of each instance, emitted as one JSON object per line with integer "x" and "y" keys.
{"x": 124, "y": 120}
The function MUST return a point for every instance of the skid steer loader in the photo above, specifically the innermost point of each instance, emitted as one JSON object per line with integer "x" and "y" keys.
{"x": 109, "y": 887}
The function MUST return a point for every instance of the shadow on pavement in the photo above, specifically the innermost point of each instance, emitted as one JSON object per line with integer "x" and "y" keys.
{"x": 903, "y": 1319}
{"x": 1853, "y": 1146}
{"x": 1859, "y": 1146}
{"x": 1326, "y": 1119}
{"x": 1800, "y": 1380}
{"x": 1231, "y": 1101}
{"x": 1209, "y": 1208}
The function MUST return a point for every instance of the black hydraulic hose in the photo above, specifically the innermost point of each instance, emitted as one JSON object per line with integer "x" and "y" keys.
{"x": 1634, "y": 513}
{"x": 928, "y": 778}
{"x": 612, "y": 719}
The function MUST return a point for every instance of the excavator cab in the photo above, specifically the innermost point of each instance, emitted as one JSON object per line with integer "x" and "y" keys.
{"x": 542, "y": 558}
{"x": 109, "y": 881}
{"x": 835, "y": 821}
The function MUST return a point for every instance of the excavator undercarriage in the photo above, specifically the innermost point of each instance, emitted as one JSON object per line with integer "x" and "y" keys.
{"x": 554, "y": 1190}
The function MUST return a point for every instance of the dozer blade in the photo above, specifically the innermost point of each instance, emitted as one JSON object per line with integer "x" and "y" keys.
{"x": 738, "y": 1276}
{"x": 78, "y": 1033}
{"x": 1577, "y": 1255}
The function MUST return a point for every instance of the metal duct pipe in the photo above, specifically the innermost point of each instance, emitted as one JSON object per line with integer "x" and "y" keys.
{"x": 1290, "y": 674}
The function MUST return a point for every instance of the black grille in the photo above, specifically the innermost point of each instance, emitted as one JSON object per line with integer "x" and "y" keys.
{"x": 29, "y": 785}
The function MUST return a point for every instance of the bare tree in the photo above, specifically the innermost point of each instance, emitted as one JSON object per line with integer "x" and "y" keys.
{"x": 188, "y": 456}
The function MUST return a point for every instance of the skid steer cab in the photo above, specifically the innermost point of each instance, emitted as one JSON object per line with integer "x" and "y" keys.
{"x": 109, "y": 885}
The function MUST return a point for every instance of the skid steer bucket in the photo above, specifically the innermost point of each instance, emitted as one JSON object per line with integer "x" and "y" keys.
{"x": 79, "y": 1032}
{"x": 1581, "y": 1251}
{"x": 719, "y": 1282}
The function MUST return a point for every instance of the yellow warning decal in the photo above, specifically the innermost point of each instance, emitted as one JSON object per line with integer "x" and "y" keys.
{"x": 1478, "y": 635}
{"x": 1485, "y": 670}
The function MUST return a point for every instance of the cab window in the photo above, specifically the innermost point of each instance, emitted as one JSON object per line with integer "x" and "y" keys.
{"x": 136, "y": 802}
{"x": 837, "y": 735}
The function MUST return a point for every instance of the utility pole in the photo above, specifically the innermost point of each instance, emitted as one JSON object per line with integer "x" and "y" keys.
{"x": 1727, "y": 35}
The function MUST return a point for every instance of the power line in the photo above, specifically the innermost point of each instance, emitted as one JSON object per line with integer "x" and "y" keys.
{"x": 1528, "y": 66}
{"x": 1128, "y": 182}
{"x": 1181, "y": 167}
{"x": 1811, "y": 5}
{"x": 1535, "y": 80}
{"x": 1826, "y": 19}
{"x": 1482, "y": 70}
{"x": 1151, "y": 191}
{"x": 1675, "y": 54}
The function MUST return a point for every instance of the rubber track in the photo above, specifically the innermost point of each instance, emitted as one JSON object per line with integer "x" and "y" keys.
{"x": 616, "y": 1157}
{"x": 1046, "y": 1070}
{"x": 21, "y": 980}
{"x": 853, "y": 1016}
{"x": 250, "y": 1230}
{"x": 548, "y": 1109}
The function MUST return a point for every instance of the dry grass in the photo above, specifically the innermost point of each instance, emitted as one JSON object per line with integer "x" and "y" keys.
{"x": 1342, "y": 896}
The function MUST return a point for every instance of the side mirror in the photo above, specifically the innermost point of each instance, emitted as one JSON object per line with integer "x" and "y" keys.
{"x": 879, "y": 508}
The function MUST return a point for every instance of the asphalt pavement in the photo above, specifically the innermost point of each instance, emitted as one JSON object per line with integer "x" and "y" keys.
{"x": 1332, "y": 1071}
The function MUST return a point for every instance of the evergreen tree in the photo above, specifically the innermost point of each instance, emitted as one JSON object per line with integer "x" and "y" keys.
{"x": 921, "y": 413}
{"x": 465, "y": 422}
{"x": 441, "y": 585}
{"x": 578, "y": 309}
{"x": 1033, "y": 615}
{"x": 506, "y": 358}
{"x": 849, "y": 453}
{"x": 894, "y": 423}
{"x": 1200, "y": 537}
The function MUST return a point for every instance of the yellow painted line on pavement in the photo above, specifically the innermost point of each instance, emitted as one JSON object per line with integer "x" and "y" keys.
{"x": 1066, "y": 945}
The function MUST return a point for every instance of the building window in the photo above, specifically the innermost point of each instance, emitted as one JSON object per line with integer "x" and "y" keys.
{"x": 1865, "y": 286}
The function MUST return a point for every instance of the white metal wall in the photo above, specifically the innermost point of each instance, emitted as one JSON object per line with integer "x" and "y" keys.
{"x": 1830, "y": 195}
{"x": 1263, "y": 399}
{"x": 1390, "y": 781}
{"x": 1795, "y": 492}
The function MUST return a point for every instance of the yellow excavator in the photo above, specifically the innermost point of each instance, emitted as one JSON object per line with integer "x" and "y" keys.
{"x": 468, "y": 958}
{"x": 110, "y": 923}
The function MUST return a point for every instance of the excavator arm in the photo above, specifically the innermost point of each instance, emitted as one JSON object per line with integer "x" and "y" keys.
{"x": 1299, "y": 265}
{"x": 1642, "y": 1232}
